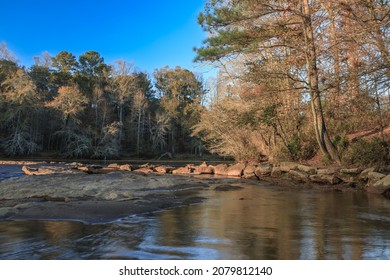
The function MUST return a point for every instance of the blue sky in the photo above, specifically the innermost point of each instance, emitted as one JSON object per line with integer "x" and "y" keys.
{"x": 152, "y": 34}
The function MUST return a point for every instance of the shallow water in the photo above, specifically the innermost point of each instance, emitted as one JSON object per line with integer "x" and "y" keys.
{"x": 257, "y": 222}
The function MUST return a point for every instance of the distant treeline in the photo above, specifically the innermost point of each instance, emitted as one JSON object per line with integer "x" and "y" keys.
{"x": 84, "y": 108}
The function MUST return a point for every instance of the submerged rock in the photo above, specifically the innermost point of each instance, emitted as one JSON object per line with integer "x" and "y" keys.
{"x": 225, "y": 188}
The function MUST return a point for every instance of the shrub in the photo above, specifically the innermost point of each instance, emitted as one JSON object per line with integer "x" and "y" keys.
{"x": 366, "y": 152}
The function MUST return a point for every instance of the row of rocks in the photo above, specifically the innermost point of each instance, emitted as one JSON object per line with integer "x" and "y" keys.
{"x": 368, "y": 179}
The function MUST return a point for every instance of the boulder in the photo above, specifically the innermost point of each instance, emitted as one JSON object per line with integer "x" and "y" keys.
{"x": 144, "y": 170}
{"x": 74, "y": 165}
{"x": 381, "y": 186}
{"x": 163, "y": 169}
{"x": 350, "y": 171}
{"x": 221, "y": 169}
{"x": 374, "y": 177}
{"x": 46, "y": 170}
{"x": 29, "y": 170}
{"x": 86, "y": 169}
{"x": 126, "y": 167}
{"x": 182, "y": 170}
{"x": 249, "y": 172}
{"x": 324, "y": 179}
{"x": 326, "y": 171}
{"x": 263, "y": 170}
{"x": 286, "y": 166}
{"x": 298, "y": 175}
{"x": 236, "y": 170}
{"x": 364, "y": 174}
{"x": 93, "y": 170}
{"x": 307, "y": 169}
{"x": 204, "y": 169}
{"x": 347, "y": 178}
{"x": 114, "y": 165}
{"x": 276, "y": 172}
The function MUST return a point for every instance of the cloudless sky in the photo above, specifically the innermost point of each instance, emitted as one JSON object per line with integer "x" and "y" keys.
{"x": 150, "y": 33}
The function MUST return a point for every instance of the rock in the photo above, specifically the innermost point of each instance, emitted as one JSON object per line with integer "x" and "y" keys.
{"x": 249, "y": 172}
{"x": 307, "y": 169}
{"x": 324, "y": 179}
{"x": 47, "y": 170}
{"x": 147, "y": 165}
{"x": 221, "y": 169}
{"x": 204, "y": 169}
{"x": 351, "y": 171}
{"x": 374, "y": 177}
{"x": 250, "y": 176}
{"x": 236, "y": 170}
{"x": 364, "y": 174}
{"x": 111, "y": 196}
{"x": 381, "y": 186}
{"x": 386, "y": 193}
{"x": 182, "y": 170}
{"x": 113, "y": 165}
{"x": 144, "y": 170}
{"x": 126, "y": 167}
{"x": 276, "y": 172}
{"x": 263, "y": 170}
{"x": 29, "y": 170}
{"x": 286, "y": 166}
{"x": 74, "y": 165}
{"x": 85, "y": 169}
{"x": 163, "y": 169}
{"x": 326, "y": 171}
{"x": 298, "y": 175}
{"x": 347, "y": 178}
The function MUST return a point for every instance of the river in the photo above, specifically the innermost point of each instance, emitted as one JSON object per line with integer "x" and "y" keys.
{"x": 256, "y": 222}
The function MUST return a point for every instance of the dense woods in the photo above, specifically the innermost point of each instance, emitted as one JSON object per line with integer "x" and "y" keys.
{"x": 84, "y": 108}
{"x": 296, "y": 79}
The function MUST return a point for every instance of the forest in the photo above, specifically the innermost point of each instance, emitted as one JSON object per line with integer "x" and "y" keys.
{"x": 296, "y": 79}
{"x": 71, "y": 107}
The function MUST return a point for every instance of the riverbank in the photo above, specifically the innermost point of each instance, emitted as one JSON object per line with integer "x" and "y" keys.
{"x": 101, "y": 194}
{"x": 70, "y": 194}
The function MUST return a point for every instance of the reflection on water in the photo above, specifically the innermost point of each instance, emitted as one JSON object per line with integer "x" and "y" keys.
{"x": 256, "y": 222}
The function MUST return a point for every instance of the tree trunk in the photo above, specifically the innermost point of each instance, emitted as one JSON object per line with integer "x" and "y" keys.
{"x": 138, "y": 130}
{"x": 324, "y": 142}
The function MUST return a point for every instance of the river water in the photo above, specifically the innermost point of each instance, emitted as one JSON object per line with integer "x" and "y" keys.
{"x": 257, "y": 222}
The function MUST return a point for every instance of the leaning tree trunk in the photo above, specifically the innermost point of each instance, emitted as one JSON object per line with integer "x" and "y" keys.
{"x": 324, "y": 142}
